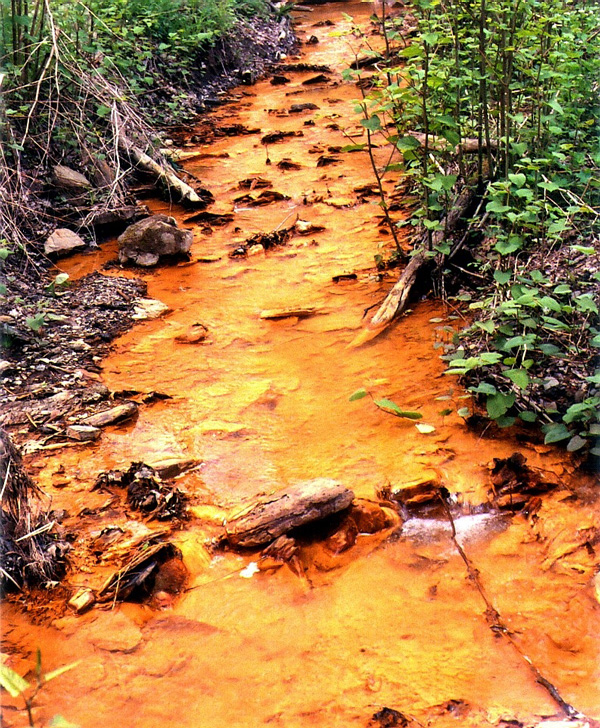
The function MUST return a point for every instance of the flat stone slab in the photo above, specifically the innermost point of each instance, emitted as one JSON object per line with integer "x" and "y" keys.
{"x": 279, "y": 513}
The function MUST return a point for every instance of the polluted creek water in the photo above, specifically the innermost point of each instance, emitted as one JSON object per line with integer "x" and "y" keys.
{"x": 396, "y": 621}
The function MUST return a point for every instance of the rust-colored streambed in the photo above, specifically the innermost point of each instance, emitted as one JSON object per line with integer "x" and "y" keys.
{"x": 261, "y": 404}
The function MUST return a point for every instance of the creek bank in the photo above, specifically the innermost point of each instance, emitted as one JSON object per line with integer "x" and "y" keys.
{"x": 55, "y": 335}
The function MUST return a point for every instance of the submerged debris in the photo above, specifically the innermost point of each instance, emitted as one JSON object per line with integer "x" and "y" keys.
{"x": 389, "y": 718}
{"x": 155, "y": 571}
{"x": 146, "y": 491}
{"x": 264, "y": 198}
{"x": 514, "y": 482}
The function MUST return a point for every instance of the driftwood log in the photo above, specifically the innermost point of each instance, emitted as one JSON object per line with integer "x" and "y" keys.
{"x": 279, "y": 513}
{"x": 396, "y": 300}
{"x": 163, "y": 174}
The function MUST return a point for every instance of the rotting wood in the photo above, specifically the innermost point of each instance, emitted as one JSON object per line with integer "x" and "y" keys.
{"x": 163, "y": 174}
{"x": 281, "y": 512}
{"x": 293, "y": 311}
{"x": 396, "y": 300}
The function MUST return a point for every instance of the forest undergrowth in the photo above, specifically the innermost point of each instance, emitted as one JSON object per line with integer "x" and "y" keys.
{"x": 494, "y": 107}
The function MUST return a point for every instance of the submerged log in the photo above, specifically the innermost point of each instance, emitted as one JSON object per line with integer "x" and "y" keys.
{"x": 396, "y": 300}
{"x": 275, "y": 515}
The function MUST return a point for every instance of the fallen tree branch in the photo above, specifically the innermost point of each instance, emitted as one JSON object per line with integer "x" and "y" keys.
{"x": 498, "y": 626}
{"x": 396, "y": 299}
{"x": 163, "y": 174}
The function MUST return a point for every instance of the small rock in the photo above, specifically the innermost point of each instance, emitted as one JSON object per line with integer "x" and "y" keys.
{"x": 63, "y": 242}
{"x": 146, "y": 241}
{"x": 195, "y": 334}
{"x": 172, "y": 467}
{"x": 82, "y": 600}
{"x": 83, "y": 433}
{"x": 148, "y": 309}
{"x": 344, "y": 538}
{"x": 297, "y": 108}
{"x": 70, "y": 179}
{"x": 115, "y": 414}
{"x": 369, "y": 517}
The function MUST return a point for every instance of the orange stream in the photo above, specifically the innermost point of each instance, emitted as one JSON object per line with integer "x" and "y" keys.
{"x": 263, "y": 404}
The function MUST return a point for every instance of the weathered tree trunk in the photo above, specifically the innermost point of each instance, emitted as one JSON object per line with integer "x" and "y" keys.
{"x": 273, "y": 516}
{"x": 396, "y": 299}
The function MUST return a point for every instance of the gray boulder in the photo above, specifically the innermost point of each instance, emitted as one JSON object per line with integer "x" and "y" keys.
{"x": 146, "y": 241}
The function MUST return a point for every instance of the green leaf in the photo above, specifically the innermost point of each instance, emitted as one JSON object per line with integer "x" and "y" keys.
{"x": 451, "y": 136}
{"x": 550, "y": 303}
{"x": 556, "y": 433}
{"x": 518, "y": 179}
{"x": 429, "y": 38}
{"x": 528, "y": 416}
{"x": 519, "y": 377}
{"x": 392, "y": 408}
{"x": 488, "y": 326}
{"x": 502, "y": 277}
{"x": 483, "y": 388}
{"x": 59, "y": 722}
{"x": 575, "y": 443}
{"x": 407, "y": 143}
{"x": 12, "y": 682}
{"x": 373, "y": 123}
{"x": 586, "y": 303}
{"x": 505, "y": 247}
{"x": 103, "y": 111}
{"x": 36, "y": 322}
{"x": 498, "y": 404}
{"x": 359, "y": 394}
{"x": 61, "y": 670}
{"x": 583, "y": 249}
{"x": 562, "y": 288}
{"x": 464, "y": 412}
{"x": 497, "y": 207}
{"x": 411, "y": 51}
